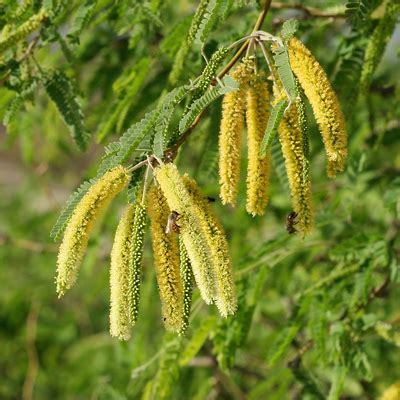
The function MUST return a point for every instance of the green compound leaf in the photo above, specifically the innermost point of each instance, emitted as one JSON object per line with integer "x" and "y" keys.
{"x": 65, "y": 215}
{"x": 60, "y": 89}
{"x": 282, "y": 63}
{"x": 274, "y": 120}
{"x": 289, "y": 28}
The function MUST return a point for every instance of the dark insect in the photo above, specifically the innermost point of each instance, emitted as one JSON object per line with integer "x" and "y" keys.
{"x": 172, "y": 226}
{"x": 291, "y": 222}
{"x": 211, "y": 199}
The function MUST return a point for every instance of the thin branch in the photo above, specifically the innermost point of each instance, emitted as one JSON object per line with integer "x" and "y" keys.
{"x": 310, "y": 12}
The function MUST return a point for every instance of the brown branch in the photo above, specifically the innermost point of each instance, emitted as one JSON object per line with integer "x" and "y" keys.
{"x": 310, "y": 12}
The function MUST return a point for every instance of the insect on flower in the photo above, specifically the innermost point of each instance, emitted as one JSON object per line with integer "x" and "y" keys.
{"x": 291, "y": 221}
{"x": 172, "y": 226}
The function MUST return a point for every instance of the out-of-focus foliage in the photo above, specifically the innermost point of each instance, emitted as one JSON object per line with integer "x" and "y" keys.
{"x": 318, "y": 317}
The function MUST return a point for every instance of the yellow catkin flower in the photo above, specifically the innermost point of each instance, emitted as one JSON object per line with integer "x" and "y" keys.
{"x": 166, "y": 260}
{"x": 187, "y": 278}
{"x": 324, "y": 103}
{"x": 233, "y": 108}
{"x": 138, "y": 232}
{"x": 24, "y": 30}
{"x": 120, "y": 276}
{"x": 193, "y": 236}
{"x": 215, "y": 236}
{"x": 258, "y": 169}
{"x": 81, "y": 224}
{"x": 391, "y": 393}
{"x": 297, "y": 165}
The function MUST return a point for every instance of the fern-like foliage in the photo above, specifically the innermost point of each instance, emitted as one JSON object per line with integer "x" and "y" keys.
{"x": 134, "y": 143}
{"x": 279, "y": 164}
{"x": 281, "y": 58}
{"x": 162, "y": 385}
{"x": 167, "y": 108}
{"x": 289, "y": 28}
{"x": 66, "y": 213}
{"x": 172, "y": 42}
{"x": 377, "y": 44}
{"x": 127, "y": 86}
{"x": 350, "y": 64}
{"x": 82, "y": 18}
{"x": 135, "y": 185}
{"x": 358, "y": 11}
{"x": 274, "y": 121}
{"x": 208, "y": 165}
{"x": 208, "y": 20}
{"x": 60, "y": 89}
{"x": 182, "y": 53}
{"x": 232, "y": 333}
{"x": 17, "y": 102}
{"x": 196, "y": 342}
{"x": 229, "y": 85}
{"x": 21, "y": 11}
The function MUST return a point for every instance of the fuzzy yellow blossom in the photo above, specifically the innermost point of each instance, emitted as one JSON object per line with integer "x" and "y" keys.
{"x": 233, "y": 108}
{"x": 120, "y": 276}
{"x": 392, "y": 392}
{"x": 23, "y": 31}
{"x": 191, "y": 231}
{"x": 324, "y": 103}
{"x": 139, "y": 230}
{"x": 187, "y": 280}
{"x": 216, "y": 239}
{"x": 166, "y": 260}
{"x": 80, "y": 225}
{"x": 297, "y": 165}
{"x": 258, "y": 169}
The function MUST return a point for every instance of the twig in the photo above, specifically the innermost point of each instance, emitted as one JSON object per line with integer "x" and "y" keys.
{"x": 310, "y": 12}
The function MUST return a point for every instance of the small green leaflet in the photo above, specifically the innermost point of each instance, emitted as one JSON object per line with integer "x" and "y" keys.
{"x": 81, "y": 20}
{"x": 209, "y": 18}
{"x": 281, "y": 58}
{"x": 133, "y": 144}
{"x": 229, "y": 85}
{"x": 272, "y": 127}
{"x": 61, "y": 91}
{"x": 62, "y": 221}
{"x": 289, "y": 28}
{"x": 167, "y": 107}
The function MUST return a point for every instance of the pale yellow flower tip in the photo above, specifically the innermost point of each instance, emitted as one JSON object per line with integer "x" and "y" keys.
{"x": 258, "y": 169}
{"x": 216, "y": 239}
{"x": 324, "y": 103}
{"x": 166, "y": 260}
{"x": 391, "y": 393}
{"x": 80, "y": 225}
{"x": 120, "y": 276}
{"x": 232, "y": 120}
{"x": 191, "y": 231}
